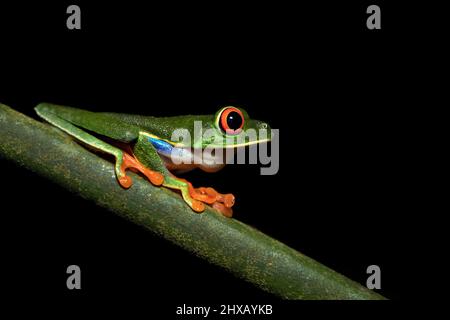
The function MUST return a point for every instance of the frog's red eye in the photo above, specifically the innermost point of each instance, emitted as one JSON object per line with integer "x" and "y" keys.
{"x": 231, "y": 120}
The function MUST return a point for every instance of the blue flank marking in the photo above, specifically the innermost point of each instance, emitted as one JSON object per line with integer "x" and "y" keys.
{"x": 161, "y": 146}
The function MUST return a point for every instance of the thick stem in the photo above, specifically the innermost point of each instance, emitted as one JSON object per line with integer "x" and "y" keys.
{"x": 239, "y": 248}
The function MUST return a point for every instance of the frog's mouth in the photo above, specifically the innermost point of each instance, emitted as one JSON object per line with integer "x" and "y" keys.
{"x": 239, "y": 145}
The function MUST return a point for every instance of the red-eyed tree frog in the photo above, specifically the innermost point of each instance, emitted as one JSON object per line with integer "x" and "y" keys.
{"x": 154, "y": 152}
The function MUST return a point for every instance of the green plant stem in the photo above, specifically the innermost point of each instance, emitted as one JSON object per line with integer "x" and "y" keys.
{"x": 235, "y": 246}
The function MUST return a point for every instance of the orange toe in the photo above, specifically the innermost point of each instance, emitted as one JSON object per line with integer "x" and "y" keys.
{"x": 227, "y": 200}
{"x": 125, "y": 181}
{"x": 197, "y": 206}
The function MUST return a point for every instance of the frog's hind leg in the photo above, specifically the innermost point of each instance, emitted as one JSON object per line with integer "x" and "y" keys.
{"x": 123, "y": 160}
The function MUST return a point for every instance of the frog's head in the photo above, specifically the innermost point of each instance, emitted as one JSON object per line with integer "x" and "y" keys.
{"x": 231, "y": 127}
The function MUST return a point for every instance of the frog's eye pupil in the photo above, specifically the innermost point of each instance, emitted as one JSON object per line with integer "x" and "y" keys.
{"x": 234, "y": 120}
{"x": 231, "y": 120}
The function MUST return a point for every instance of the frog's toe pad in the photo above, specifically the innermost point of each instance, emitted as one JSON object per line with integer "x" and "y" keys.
{"x": 125, "y": 181}
{"x": 197, "y": 206}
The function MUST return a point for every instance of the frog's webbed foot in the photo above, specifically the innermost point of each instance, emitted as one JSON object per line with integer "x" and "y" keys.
{"x": 129, "y": 162}
{"x": 219, "y": 201}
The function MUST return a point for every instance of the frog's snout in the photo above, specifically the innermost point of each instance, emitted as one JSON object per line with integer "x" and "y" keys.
{"x": 266, "y": 132}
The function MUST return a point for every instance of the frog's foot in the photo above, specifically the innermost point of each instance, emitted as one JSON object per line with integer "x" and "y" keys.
{"x": 180, "y": 184}
{"x": 125, "y": 161}
{"x": 197, "y": 197}
{"x": 219, "y": 201}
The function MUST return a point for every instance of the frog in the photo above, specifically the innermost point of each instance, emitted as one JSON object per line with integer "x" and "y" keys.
{"x": 161, "y": 147}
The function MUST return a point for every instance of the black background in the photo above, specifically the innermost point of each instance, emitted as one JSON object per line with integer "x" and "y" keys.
{"x": 335, "y": 90}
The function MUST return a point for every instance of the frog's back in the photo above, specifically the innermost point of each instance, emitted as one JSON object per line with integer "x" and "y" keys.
{"x": 120, "y": 126}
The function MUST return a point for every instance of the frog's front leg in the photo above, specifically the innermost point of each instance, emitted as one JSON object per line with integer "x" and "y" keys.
{"x": 146, "y": 153}
{"x": 129, "y": 162}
